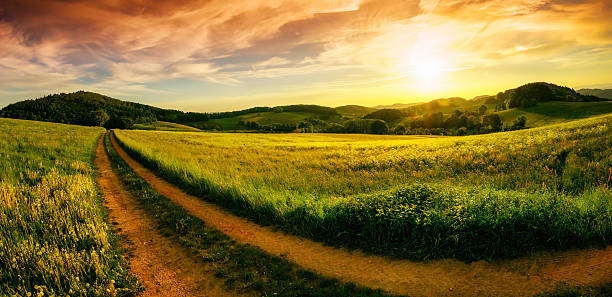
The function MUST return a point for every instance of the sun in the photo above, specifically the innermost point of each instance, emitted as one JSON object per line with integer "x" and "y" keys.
{"x": 425, "y": 70}
{"x": 424, "y": 67}
{"x": 429, "y": 70}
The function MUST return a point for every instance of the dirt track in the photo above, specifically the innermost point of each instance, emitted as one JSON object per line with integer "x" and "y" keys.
{"x": 519, "y": 277}
{"x": 163, "y": 267}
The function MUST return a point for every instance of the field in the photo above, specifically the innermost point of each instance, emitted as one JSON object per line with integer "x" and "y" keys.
{"x": 262, "y": 118}
{"x": 548, "y": 113}
{"x": 54, "y": 238}
{"x": 165, "y": 126}
{"x": 476, "y": 197}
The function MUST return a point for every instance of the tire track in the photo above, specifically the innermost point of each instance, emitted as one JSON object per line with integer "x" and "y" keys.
{"x": 518, "y": 277}
{"x": 164, "y": 267}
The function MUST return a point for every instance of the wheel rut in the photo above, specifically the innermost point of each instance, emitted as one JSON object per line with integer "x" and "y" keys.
{"x": 164, "y": 267}
{"x": 518, "y": 277}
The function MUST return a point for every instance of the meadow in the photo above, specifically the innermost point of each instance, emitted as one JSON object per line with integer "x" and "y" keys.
{"x": 556, "y": 112}
{"x": 54, "y": 237}
{"x": 476, "y": 197}
{"x": 165, "y": 126}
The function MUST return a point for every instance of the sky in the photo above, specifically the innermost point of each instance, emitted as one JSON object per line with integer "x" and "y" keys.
{"x": 209, "y": 55}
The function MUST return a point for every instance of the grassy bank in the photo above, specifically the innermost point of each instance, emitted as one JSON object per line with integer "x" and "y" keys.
{"x": 243, "y": 267}
{"x": 54, "y": 238}
{"x": 486, "y": 196}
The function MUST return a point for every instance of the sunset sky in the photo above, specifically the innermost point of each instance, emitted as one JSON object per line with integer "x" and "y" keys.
{"x": 226, "y": 55}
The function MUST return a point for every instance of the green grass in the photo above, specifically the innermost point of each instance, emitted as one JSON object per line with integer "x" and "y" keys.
{"x": 54, "y": 237}
{"x": 547, "y": 113}
{"x": 262, "y": 118}
{"x": 165, "y": 126}
{"x": 243, "y": 267}
{"x": 476, "y": 197}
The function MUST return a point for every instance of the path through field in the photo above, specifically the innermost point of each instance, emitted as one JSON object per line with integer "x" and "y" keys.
{"x": 519, "y": 277}
{"x": 164, "y": 267}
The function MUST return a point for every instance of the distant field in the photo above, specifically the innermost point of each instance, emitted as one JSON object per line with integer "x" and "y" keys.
{"x": 262, "y": 118}
{"x": 54, "y": 240}
{"x": 165, "y": 126}
{"x": 547, "y": 113}
{"x": 475, "y": 197}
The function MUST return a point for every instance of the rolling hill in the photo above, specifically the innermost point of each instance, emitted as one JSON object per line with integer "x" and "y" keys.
{"x": 530, "y": 105}
{"x": 605, "y": 93}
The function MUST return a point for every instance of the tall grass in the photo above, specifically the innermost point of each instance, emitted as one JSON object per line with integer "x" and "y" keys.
{"x": 54, "y": 240}
{"x": 497, "y": 195}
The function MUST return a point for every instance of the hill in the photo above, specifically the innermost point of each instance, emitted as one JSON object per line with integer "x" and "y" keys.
{"x": 396, "y": 106}
{"x": 605, "y": 93}
{"x": 508, "y": 110}
{"x": 354, "y": 110}
{"x": 92, "y": 109}
{"x": 549, "y": 113}
{"x": 84, "y": 108}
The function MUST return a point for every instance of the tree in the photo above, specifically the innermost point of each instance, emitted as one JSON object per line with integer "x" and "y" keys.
{"x": 99, "y": 117}
{"x": 482, "y": 109}
{"x": 387, "y": 115}
{"x": 493, "y": 121}
{"x": 334, "y": 128}
{"x": 379, "y": 127}
{"x": 399, "y": 130}
{"x": 120, "y": 123}
{"x": 519, "y": 123}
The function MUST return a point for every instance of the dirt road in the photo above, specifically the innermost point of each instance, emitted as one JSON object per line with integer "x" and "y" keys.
{"x": 519, "y": 277}
{"x": 164, "y": 267}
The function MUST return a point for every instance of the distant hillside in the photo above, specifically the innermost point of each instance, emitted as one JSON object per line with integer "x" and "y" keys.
{"x": 276, "y": 119}
{"x": 531, "y": 94}
{"x": 396, "y": 105}
{"x": 529, "y": 105}
{"x": 354, "y": 110}
{"x": 605, "y": 93}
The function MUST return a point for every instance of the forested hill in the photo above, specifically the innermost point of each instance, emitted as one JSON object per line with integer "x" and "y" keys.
{"x": 92, "y": 109}
{"x": 84, "y": 108}
{"x": 531, "y": 94}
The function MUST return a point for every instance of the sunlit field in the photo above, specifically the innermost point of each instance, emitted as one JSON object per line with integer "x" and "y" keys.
{"x": 54, "y": 240}
{"x": 477, "y": 197}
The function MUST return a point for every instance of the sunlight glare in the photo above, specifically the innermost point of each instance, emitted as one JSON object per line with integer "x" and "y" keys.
{"x": 425, "y": 69}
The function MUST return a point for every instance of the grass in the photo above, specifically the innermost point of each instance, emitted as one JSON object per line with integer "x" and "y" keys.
{"x": 262, "y": 118}
{"x": 548, "y": 113}
{"x": 54, "y": 236}
{"x": 477, "y": 197}
{"x": 165, "y": 126}
{"x": 244, "y": 268}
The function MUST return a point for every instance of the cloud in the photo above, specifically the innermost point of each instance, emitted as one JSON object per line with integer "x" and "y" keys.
{"x": 128, "y": 44}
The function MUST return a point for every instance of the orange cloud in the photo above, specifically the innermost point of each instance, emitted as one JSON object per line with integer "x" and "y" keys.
{"x": 129, "y": 45}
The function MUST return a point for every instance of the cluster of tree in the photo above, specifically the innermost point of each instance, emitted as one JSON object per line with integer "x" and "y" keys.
{"x": 276, "y": 127}
{"x": 82, "y": 108}
{"x": 458, "y": 123}
{"x": 530, "y": 94}
{"x": 316, "y": 125}
{"x": 379, "y": 122}
{"x": 387, "y": 115}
